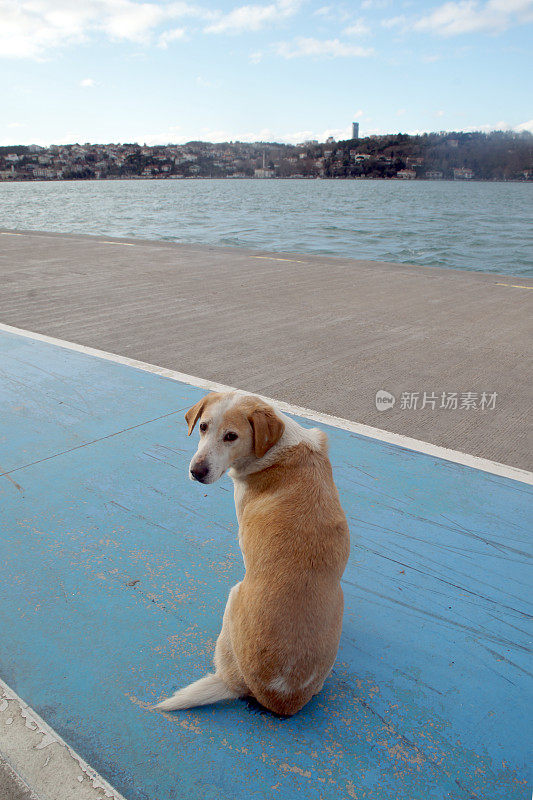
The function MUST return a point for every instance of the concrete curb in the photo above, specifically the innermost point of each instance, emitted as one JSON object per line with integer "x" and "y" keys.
{"x": 37, "y": 764}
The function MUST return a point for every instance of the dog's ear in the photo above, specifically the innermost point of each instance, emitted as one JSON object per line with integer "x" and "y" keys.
{"x": 194, "y": 413}
{"x": 267, "y": 429}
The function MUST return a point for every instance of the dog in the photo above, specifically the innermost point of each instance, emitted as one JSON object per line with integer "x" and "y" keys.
{"x": 282, "y": 623}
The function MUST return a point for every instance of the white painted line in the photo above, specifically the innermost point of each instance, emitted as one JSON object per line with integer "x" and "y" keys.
{"x": 455, "y": 456}
{"x": 26, "y": 736}
{"x": 6, "y": 233}
{"x": 274, "y": 258}
{"x": 515, "y": 285}
{"x": 121, "y": 244}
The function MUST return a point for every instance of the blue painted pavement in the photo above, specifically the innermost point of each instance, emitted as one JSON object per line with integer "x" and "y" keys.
{"x": 115, "y": 570}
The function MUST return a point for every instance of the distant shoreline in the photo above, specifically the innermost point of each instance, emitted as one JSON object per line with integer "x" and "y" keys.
{"x": 231, "y": 178}
{"x": 436, "y": 156}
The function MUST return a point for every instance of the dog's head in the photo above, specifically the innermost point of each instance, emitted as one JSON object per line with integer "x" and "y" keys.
{"x": 235, "y": 431}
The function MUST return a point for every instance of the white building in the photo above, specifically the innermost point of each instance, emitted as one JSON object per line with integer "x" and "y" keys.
{"x": 406, "y": 174}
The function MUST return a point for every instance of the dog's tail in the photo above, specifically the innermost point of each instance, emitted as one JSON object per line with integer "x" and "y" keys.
{"x": 209, "y": 689}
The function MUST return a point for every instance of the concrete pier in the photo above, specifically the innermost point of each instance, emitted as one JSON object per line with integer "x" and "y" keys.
{"x": 324, "y": 333}
{"x": 115, "y": 567}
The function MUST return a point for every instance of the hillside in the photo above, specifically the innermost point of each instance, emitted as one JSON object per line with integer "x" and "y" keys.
{"x": 438, "y": 156}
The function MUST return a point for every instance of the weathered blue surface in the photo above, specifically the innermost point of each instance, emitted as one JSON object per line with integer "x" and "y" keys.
{"x": 429, "y": 697}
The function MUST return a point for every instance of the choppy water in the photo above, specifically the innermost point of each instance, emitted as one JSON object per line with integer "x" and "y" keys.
{"x": 475, "y": 226}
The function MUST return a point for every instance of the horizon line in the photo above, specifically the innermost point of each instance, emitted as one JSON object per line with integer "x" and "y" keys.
{"x": 507, "y": 131}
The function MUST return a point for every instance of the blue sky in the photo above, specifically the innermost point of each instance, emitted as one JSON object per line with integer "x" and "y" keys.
{"x": 284, "y": 70}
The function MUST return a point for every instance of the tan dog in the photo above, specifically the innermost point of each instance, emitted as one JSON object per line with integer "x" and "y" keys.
{"x": 282, "y": 622}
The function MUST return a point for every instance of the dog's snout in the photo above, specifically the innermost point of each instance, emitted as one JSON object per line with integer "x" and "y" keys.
{"x": 200, "y": 471}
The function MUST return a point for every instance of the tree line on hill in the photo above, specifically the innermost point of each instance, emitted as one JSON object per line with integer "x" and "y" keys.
{"x": 490, "y": 156}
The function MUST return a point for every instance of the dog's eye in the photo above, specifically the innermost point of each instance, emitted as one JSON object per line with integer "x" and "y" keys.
{"x": 230, "y": 436}
{"x": 203, "y": 426}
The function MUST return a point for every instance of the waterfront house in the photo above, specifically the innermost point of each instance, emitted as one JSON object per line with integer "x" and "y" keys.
{"x": 406, "y": 174}
{"x": 462, "y": 174}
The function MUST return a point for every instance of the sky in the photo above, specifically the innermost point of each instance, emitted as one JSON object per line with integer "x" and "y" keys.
{"x": 281, "y": 70}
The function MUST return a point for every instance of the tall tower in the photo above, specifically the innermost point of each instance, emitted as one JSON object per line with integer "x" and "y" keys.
{"x": 355, "y": 130}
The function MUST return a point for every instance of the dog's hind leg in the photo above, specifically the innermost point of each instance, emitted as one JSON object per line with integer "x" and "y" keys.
{"x": 226, "y": 683}
{"x": 225, "y": 662}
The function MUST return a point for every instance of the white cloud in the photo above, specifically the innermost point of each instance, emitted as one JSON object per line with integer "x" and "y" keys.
{"x": 133, "y": 21}
{"x": 329, "y": 48}
{"x": 26, "y": 29}
{"x": 338, "y": 133}
{"x": 204, "y": 83}
{"x": 297, "y": 137}
{"x": 31, "y": 28}
{"x": 488, "y": 127}
{"x": 375, "y": 3}
{"x": 502, "y": 126}
{"x": 88, "y": 83}
{"x": 394, "y": 22}
{"x": 470, "y": 16}
{"x": 302, "y": 136}
{"x": 170, "y": 36}
{"x": 176, "y": 135}
{"x": 173, "y": 135}
{"x": 357, "y": 28}
{"x": 253, "y": 17}
{"x": 525, "y": 126}
{"x": 219, "y": 135}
